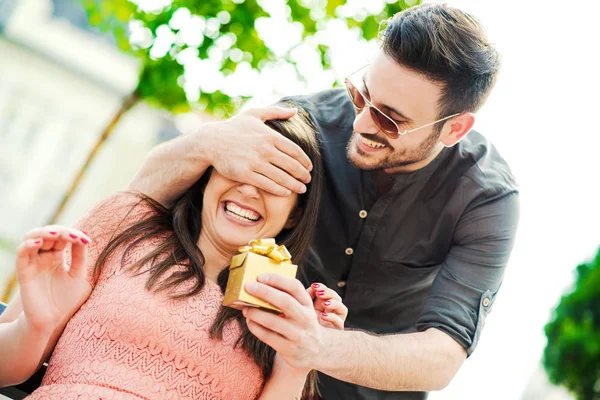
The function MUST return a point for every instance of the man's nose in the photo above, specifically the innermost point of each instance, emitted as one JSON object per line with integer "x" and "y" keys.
{"x": 364, "y": 124}
{"x": 248, "y": 191}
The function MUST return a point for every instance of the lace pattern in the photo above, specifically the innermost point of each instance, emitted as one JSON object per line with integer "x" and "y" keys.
{"x": 126, "y": 343}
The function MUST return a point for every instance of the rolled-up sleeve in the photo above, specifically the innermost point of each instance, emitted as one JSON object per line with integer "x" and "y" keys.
{"x": 468, "y": 281}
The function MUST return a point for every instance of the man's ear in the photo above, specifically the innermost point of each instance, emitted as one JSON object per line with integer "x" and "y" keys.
{"x": 459, "y": 127}
{"x": 294, "y": 218}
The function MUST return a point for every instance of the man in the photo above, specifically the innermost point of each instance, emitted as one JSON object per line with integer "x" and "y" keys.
{"x": 418, "y": 219}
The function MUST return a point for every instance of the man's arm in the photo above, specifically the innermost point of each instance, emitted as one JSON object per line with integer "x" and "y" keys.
{"x": 450, "y": 323}
{"x": 422, "y": 361}
{"x": 242, "y": 148}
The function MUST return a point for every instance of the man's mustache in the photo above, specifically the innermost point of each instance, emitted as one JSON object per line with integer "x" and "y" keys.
{"x": 374, "y": 138}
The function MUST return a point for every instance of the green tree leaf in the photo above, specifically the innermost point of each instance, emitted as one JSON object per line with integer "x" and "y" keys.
{"x": 572, "y": 355}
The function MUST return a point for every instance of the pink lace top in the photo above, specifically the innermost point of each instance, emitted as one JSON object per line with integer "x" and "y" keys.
{"x": 128, "y": 343}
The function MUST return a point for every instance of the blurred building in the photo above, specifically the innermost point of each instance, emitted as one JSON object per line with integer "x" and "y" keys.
{"x": 60, "y": 84}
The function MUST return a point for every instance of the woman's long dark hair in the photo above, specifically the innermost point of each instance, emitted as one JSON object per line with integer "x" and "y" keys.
{"x": 178, "y": 228}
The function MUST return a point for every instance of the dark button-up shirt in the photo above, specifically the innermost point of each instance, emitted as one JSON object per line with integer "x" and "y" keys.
{"x": 430, "y": 252}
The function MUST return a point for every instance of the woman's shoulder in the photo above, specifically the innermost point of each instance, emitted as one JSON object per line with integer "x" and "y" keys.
{"x": 117, "y": 211}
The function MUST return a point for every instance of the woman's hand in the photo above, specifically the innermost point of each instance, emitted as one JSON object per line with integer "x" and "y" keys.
{"x": 50, "y": 290}
{"x": 328, "y": 305}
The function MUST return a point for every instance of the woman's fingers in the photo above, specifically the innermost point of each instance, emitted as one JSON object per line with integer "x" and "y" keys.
{"x": 26, "y": 251}
{"x": 323, "y": 292}
{"x": 335, "y": 307}
{"x": 335, "y": 320}
{"x": 327, "y": 300}
{"x": 78, "y": 260}
{"x": 49, "y": 234}
{"x": 56, "y": 237}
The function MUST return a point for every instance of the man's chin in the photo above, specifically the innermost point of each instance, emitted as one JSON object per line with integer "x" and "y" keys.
{"x": 363, "y": 161}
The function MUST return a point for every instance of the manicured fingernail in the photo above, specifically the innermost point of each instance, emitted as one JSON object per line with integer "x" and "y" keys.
{"x": 73, "y": 236}
{"x": 327, "y": 303}
{"x": 320, "y": 292}
{"x": 52, "y": 232}
{"x": 324, "y": 314}
{"x": 316, "y": 285}
{"x": 38, "y": 241}
{"x": 263, "y": 278}
{"x": 85, "y": 233}
{"x": 251, "y": 286}
{"x": 84, "y": 241}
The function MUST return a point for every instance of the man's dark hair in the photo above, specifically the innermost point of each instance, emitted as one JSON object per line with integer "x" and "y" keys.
{"x": 448, "y": 46}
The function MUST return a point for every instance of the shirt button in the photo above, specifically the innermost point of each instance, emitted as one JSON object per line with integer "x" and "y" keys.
{"x": 486, "y": 302}
{"x": 362, "y": 214}
{"x": 349, "y": 251}
{"x": 341, "y": 284}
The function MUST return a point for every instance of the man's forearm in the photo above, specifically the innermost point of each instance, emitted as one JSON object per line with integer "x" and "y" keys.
{"x": 423, "y": 361}
{"x": 173, "y": 167}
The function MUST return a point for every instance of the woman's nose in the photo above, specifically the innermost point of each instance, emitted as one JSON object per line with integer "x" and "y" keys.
{"x": 248, "y": 191}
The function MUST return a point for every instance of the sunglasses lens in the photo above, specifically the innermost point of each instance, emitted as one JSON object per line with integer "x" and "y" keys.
{"x": 355, "y": 95}
{"x": 384, "y": 123}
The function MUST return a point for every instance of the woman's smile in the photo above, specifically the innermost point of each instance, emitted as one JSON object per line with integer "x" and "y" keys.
{"x": 240, "y": 214}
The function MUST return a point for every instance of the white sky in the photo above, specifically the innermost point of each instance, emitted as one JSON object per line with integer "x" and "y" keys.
{"x": 541, "y": 117}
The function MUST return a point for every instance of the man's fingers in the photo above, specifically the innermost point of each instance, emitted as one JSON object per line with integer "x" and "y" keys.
{"x": 290, "y": 165}
{"x": 272, "y": 322}
{"x": 281, "y": 178}
{"x": 290, "y": 148}
{"x": 276, "y": 341}
{"x": 266, "y": 184}
{"x": 288, "y": 285}
{"x": 272, "y": 112}
{"x": 282, "y": 300}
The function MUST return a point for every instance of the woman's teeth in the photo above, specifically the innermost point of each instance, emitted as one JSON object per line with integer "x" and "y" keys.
{"x": 371, "y": 143}
{"x": 240, "y": 213}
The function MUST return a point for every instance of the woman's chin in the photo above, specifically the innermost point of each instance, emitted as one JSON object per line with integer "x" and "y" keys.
{"x": 235, "y": 238}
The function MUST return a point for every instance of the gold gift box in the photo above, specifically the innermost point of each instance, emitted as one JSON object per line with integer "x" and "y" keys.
{"x": 257, "y": 258}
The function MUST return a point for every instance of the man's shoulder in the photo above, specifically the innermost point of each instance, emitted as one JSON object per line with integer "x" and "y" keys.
{"x": 328, "y": 109}
{"x": 482, "y": 164}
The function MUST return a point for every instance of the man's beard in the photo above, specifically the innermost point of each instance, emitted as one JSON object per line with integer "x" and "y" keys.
{"x": 394, "y": 158}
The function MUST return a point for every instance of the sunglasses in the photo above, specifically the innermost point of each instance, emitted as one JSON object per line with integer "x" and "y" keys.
{"x": 384, "y": 122}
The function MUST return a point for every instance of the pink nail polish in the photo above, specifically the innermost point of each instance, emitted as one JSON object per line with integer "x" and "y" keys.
{"x": 72, "y": 236}
{"x": 320, "y": 292}
{"x": 324, "y": 314}
{"x": 84, "y": 241}
{"x": 52, "y": 232}
{"x": 38, "y": 241}
{"x": 316, "y": 285}
{"x": 327, "y": 303}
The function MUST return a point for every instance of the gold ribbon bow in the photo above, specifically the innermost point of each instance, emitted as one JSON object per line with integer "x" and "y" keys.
{"x": 268, "y": 247}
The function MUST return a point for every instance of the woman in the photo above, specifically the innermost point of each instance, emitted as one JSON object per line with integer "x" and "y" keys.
{"x": 138, "y": 314}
